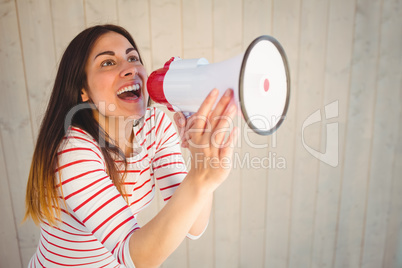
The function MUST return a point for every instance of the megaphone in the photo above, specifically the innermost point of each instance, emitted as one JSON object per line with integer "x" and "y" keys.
{"x": 259, "y": 78}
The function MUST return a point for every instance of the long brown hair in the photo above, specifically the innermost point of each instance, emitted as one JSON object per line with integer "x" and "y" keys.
{"x": 42, "y": 197}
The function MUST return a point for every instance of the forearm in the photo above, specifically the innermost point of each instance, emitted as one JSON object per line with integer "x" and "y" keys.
{"x": 203, "y": 218}
{"x": 155, "y": 241}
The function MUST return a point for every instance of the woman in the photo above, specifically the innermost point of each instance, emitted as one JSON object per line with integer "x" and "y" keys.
{"x": 100, "y": 151}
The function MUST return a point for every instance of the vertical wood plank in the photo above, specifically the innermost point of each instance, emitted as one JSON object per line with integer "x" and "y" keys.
{"x": 197, "y": 43}
{"x": 393, "y": 244}
{"x": 10, "y": 254}
{"x": 313, "y": 44}
{"x": 100, "y": 12}
{"x": 385, "y": 135}
{"x": 197, "y": 29}
{"x": 37, "y": 39}
{"x": 336, "y": 88}
{"x": 36, "y": 35}
{"x": 358, "y": 149}
{"x": 286, "y": 26}
{"x": 166, "y": 31}
{"x": 68, "y": 19}
{"x": 257, "y": 17}
{"x": 15, "y": 127}
{"x": 227, "y": 42}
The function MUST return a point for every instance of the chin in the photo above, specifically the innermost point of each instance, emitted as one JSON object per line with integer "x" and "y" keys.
{"x": 138, "y": 113}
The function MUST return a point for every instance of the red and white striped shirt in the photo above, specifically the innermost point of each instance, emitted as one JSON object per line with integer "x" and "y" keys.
{"x": 97, "y": 222}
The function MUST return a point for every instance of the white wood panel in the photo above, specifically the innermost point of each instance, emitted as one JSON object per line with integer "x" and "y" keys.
{"x": 166, "y": 31}
{"x": 393, "y": 244}
{"x": 68, "y": 19}
{"x": 286, "y": 26}
{"x": 392, "y": 250}
{"x": 385, "y": 135}
{"x": 100, "y": 12}
{"x": 197, "y": 29}
{"x": 257, "y": 17}
{"x": 336, "y": 88}
{"x": 359, "y": 135}
{"x": 10, "y": 254}
{"x": 37, "y": 41}
{"x": 227, "y": 42}
{"x": 314, "y": 21}
{"x": 15, "y": 126}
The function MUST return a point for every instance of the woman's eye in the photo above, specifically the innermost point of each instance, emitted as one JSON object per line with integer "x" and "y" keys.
{"x": 133, "y": 59}
{"x": 107, "y": 63}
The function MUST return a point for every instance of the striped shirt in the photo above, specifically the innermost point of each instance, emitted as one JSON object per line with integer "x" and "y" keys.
{"x": 97, "y": 222}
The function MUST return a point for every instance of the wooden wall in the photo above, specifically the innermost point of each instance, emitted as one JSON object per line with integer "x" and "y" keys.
{"x": 290, "y": 210}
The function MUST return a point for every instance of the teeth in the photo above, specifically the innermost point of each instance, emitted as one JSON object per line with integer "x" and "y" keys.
{"x": 129, "y": 88}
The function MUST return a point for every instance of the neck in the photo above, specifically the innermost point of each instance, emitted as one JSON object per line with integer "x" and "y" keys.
{"x": 119, "y": 130}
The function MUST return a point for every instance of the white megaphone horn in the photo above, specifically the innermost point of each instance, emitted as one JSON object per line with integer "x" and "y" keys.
{"x": 259, "y": 78}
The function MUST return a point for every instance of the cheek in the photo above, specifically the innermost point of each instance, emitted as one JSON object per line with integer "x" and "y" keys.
{"x": 101, "y": 88}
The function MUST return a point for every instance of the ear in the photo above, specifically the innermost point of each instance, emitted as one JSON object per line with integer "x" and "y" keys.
{"x": 84, "y": 95}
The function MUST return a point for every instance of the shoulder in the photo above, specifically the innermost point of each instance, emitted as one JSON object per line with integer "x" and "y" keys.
{"x": 78, "y": 143}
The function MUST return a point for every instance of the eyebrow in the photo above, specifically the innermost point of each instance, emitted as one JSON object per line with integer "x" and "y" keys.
{"x": 111, "y": 53}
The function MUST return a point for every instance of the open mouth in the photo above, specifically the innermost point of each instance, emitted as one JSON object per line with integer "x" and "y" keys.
{"x": 132, "y": 92}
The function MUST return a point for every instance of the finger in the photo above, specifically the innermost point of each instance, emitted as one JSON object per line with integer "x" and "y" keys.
{"x": 206, "y": 106}
{"x": 180, "y": 119}
{"x": 224, "y": 122}
{"x": 184, "y": 144}
{"x": 221, "y": 106}
{"x": 227, "y": 149}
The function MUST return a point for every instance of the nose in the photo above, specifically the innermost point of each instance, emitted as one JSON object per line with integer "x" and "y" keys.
{"x": 128, "y": 70}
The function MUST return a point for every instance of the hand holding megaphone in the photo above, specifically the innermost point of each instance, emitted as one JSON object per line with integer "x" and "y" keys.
{"x": 211, "y": 137}
{"x": 259, "y": 78}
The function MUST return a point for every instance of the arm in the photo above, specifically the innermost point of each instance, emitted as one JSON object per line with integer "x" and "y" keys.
{"x": 188, "y": 209}
{"x": 170, "y": 169}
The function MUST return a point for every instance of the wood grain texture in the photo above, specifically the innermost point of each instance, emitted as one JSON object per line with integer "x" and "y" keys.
{"x": 10, "y": 254}
{"x": 16, "y": 129}
{"x": 312, "y": 51}
{"x": 100, "y": 12}
{"x": 359, "y": 134}
{"x": 37, "y": 38}
{"x": 336, "y": 89}
{"x": 386, "y": 122}
{"x": 68, "y": 19}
